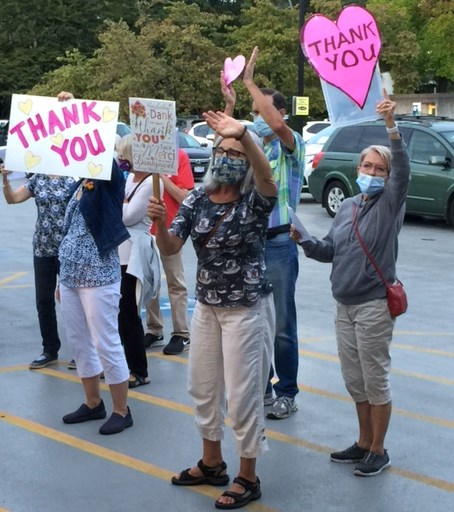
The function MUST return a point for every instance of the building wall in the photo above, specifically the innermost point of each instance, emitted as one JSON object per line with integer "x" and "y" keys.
{"x": 440, "y": 104}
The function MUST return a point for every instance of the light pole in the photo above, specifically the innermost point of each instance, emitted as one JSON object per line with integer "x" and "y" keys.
{"x": 300, "y": 120}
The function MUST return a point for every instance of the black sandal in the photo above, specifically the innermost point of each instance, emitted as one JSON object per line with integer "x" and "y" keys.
{"x": 210, "y": 476}
{"x": 252, "y": 492}
{"x": 136, "y": 381}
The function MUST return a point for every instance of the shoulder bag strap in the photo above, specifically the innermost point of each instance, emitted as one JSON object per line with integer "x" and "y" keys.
{"x": 364, "y": 247}
{"x": 136, "y": 187}
{"x": 216, "y": 226}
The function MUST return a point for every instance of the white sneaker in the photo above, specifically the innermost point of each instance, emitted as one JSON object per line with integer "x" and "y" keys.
{"x": 282, "y": 408}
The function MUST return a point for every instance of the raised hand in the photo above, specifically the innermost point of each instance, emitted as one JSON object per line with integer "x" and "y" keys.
{"x": 386, "y": 109}
{"x": 248, "y": 73}
{"x": 224, "y": 125}
{"x": 229, "y": 95}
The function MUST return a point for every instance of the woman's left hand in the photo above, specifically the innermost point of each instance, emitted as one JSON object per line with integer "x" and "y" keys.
{"x": 224, "y": 125}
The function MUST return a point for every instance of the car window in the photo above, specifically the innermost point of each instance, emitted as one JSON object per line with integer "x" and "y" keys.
{"x": 186, "y": 141}
{"x": 315, "y": 128}
{"x": 203, "y": 130}
{"x": 449, "y": 136}
{"x": 374, "y": 136}
{"x": 346, "y": 140}
{"x": 424, "y": 146}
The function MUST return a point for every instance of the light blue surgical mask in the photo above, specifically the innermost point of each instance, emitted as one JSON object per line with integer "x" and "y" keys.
{"x": 370, "y": 185}
{"x": 227, "y": 171}
{"x": 261, "y": 128}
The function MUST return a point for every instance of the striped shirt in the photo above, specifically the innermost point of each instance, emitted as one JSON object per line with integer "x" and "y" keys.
{"x": 288, "y": 173}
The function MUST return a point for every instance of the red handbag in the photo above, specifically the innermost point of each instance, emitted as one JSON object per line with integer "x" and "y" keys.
{"x": 395, "y": 293}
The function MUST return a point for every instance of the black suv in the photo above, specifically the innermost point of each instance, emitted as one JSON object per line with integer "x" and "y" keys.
{"x": 430, "y": 142}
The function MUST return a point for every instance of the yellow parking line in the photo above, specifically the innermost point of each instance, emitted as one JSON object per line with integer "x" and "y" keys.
{"x": 12, "y": 277}
{"x": 335, "y": 359}
{"x": 396, "y": 410}
{"x": 423, "y": 350}
{"x": 111, "y": 455}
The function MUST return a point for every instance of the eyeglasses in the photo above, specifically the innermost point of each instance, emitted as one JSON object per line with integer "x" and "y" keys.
{"x": 233, "y": 154}
{"x": 379, "y": 170}
{"x": 254, "y": 113}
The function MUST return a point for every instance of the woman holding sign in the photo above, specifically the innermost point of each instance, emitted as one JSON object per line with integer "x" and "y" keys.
{"x": 364, "y": 325}
{"x": 233, "y": 323}
{"x": 51, "y": 194}
{"x": 89, "y": 289}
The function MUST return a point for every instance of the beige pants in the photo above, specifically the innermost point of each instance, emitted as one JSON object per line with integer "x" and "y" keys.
{"x": 364, "y": 334}
{"x": 229, "y": 364}
{"x": 178, "y": 298}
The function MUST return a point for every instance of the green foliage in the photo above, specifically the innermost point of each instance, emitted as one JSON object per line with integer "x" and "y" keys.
{"x": 174, "y": 49}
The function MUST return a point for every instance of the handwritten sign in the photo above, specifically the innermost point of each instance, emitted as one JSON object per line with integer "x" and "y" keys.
{"x": 67, "y": 138}
{"x": 153, "y": 126}
{"x": 344, "y": 53}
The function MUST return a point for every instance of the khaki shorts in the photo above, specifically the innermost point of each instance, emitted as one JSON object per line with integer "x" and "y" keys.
{"x": 364, "y": 333}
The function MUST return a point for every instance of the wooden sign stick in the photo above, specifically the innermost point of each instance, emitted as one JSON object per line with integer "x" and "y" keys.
{"x": 156, "y": 186}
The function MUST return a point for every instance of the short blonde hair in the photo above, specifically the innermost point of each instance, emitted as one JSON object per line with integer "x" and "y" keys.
{"x": 383, "y": 152}
{"x": 124, "y": 148}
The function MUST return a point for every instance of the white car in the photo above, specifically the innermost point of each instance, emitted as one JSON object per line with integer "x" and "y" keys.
{"x": 205, "y": 135}
{"x": 313, "y": 127}
{"x": 313, "y": 146}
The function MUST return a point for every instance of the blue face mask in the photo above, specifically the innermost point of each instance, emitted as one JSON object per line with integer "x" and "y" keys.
{"x": 261, "y": 128}
{"x": 370, "y": 185}
{"x": 226, "y": 171}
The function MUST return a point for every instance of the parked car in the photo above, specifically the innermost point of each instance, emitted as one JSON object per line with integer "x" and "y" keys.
{"x": 313, "y": 127}
{"x": 198, "y": 156}
{"x": 185, "y": 123}
{"x": 205, "y": 135}
{"x": 3, "y": 132}
{"x": 430, "y": 143}
{"x": 313, "y": 146}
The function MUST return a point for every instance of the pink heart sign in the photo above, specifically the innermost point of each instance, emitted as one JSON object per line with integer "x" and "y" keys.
{"x": 344, "y": 53}
{"x": 233, "y": 68}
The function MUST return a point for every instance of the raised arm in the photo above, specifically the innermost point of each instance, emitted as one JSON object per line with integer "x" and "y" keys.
{"x": 227, "y": 127}
{"x": 264, "y": 104}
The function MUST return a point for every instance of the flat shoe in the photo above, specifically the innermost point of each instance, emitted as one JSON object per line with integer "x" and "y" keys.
{"x": 116, "y": 423}
{"x": 85, "y": 413}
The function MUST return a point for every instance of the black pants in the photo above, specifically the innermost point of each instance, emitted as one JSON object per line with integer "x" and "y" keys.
{"x": 130, "y": 326}
{"x": 46, "y": 272}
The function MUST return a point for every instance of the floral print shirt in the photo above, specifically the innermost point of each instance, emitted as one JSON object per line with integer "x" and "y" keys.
{"x": 81, "y": 266}
{"x": 231, "y": 266}
{"x": 51, "y": 194}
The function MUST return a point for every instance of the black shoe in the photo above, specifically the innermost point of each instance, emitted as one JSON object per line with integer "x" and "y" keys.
{"x": 84, "y": 413}
{"x": 353, "y": 453}
{"x": 153, "y": 340}
{"x": 116, "y": 423}
{"x": 176, "y": 345}
{"x": 372, "y": 464}
{"x": 42, "y": 361}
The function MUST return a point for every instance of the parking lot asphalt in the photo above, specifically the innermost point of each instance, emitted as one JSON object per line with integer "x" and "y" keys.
{"x": 47, "y": 466}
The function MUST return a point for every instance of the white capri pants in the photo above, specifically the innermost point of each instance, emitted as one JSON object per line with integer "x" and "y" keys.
{"x": 364, "y": 334}
{"x": 229, "y": 365}
{"x": 91, "y": 321}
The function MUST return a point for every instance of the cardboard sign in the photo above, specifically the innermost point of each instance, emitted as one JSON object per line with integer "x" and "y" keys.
{"x": 154, "y": 143}
{"x": 345, "y": 54}
{"x": 67, "y": 138}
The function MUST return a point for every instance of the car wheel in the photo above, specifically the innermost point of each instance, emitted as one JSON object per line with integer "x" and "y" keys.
{"x": 335, "y": 193}
{"x": 450, "y": 218}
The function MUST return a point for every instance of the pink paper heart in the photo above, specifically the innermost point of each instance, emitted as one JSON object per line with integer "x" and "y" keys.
{"x": 233, "y": 68}
{"x": 344, "y": 53}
